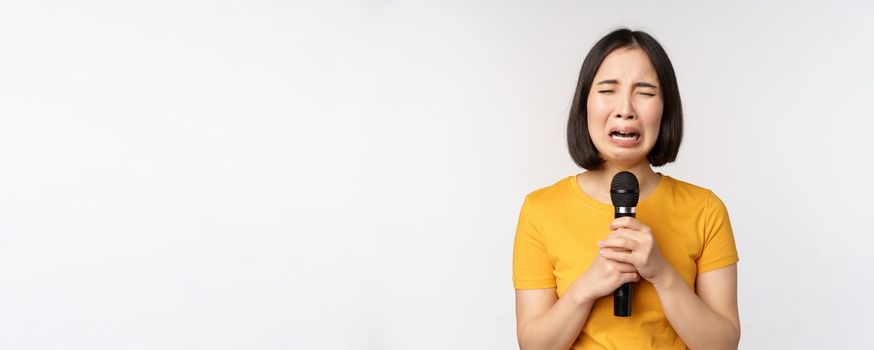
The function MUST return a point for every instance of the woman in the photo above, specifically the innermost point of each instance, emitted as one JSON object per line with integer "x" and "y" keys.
{"x": 570, "y": 254}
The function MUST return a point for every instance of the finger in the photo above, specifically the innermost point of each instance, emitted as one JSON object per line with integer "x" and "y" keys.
{"x": 621, "y": 250}
{"x": 626, "y": 222}
{"x": 623, "y": 242}
{"x": 621, "y": 256}
{"x": 621, "y": 232}
{"x": 624, "y": 232}
{"x": 621, "y": 266}
{"x": 630, "y": 277}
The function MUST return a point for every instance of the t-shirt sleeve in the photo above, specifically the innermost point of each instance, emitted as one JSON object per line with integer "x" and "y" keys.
{"x": 719, "y": 248}
{"x": 532, "y": 268}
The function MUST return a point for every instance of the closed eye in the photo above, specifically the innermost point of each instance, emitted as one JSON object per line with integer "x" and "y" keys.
{"x": 611, "y": 91}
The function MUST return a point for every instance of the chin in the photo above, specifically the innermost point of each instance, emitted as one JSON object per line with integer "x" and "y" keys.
{"x": 627, "y": 162}
{"x": 626, "y": 158}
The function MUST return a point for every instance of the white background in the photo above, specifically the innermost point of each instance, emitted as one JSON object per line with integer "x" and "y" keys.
{"x": 273, "y": 175}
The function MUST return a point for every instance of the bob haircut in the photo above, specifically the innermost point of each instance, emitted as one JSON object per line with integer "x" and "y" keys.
{"x": 579, "y": 142}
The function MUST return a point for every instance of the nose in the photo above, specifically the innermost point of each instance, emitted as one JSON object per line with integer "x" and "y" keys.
{"x": 625, "y": 109}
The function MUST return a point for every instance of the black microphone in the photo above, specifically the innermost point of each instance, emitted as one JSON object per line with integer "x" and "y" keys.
{"x": 624, "y": 193}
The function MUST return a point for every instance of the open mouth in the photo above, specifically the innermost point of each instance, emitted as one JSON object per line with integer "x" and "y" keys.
{"x": 629, "y": 136}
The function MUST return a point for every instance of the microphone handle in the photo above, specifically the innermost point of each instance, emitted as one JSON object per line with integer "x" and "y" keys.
{"x": 622, "y": 295}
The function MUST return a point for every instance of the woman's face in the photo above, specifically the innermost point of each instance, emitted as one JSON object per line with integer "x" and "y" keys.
{"x": 624, "y": 107}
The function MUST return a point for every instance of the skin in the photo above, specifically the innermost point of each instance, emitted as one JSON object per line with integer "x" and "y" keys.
{"x": 626, "y": 93}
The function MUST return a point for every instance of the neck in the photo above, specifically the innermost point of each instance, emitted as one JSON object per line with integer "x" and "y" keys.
{"x": 646, "y": 177}
{"x": 643, "y": 172}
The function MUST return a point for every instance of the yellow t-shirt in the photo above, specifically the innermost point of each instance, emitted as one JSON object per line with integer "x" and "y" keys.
{"x": 557, "y": 239}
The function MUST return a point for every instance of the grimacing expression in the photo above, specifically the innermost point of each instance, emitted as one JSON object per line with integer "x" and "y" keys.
{"x": 624, "y": 106}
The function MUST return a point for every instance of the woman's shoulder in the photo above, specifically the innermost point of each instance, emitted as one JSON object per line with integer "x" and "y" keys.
{"x": 552, "y": 190}
{"x": 559, "y": 190}
{"x": 690, "y": 192}
{"x": 552, "y": 200}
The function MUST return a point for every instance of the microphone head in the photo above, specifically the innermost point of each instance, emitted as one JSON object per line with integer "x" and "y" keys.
{"x": 624, "y": 190}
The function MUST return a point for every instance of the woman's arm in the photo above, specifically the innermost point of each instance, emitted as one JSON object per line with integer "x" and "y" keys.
{"x": 544, "y": 321}
{"x": 708, "y": 320}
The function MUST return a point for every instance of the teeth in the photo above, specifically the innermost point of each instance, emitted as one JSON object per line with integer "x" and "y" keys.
{"x": 622, "y": 136}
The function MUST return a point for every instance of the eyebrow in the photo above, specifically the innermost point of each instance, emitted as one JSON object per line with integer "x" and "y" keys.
{"x": 639, "y": 83}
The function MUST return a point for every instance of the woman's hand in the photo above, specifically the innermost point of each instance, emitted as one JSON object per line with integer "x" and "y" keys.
{"x": 631, "y": 242}
{"x": 603, "y": 277}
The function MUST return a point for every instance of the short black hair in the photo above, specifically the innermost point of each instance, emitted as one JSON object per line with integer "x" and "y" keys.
{"x": 579, "y": 142}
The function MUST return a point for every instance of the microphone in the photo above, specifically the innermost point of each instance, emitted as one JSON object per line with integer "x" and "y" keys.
{"x": 624, "y": 193}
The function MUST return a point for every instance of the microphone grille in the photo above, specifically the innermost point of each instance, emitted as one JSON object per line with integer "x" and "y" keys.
{"x": 624, "y": 190}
